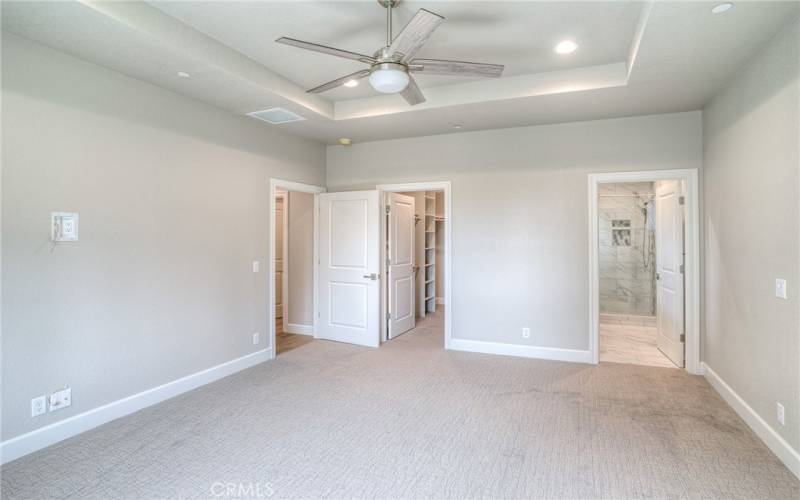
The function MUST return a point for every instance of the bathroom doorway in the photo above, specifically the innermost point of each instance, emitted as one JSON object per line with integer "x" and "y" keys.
{"x": 643, "y": 255}
{"x": 628, "y": 306}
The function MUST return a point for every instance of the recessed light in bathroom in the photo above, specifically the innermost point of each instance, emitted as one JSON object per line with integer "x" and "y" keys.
{"x": 722, "y": 7}
{"x": 566, "y": 47}
{"x": 458, "y": 126}
{"x": 345, "y": 141}
{"x": 184, "y": 74}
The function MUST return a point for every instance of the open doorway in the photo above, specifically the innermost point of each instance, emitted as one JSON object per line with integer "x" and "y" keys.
{"x": 628, "y": 276}
{"x": 644, "y": 255}
{"x": 353, "y": 263}
{"x": 414, "y": 244}
{"x": 292, "y": 270}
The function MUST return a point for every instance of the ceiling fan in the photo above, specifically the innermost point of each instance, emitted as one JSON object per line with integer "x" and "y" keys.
{"x": 391, "y": 66}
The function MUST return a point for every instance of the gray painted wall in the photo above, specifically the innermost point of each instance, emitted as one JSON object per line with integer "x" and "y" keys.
{"x": 173, "y": 198}
{"x": 301, "y": 259}
{"x": 520, "y": 212}
{"x": 752, "y": 222}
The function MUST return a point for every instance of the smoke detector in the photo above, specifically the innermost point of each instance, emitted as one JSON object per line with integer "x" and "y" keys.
{"x": 276, "y": 116}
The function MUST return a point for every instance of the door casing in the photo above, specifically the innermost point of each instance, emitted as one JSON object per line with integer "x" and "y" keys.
{"x": 286, "y": 185}
{"x": 689, "y": 177}
{"x": 445, "y": 187}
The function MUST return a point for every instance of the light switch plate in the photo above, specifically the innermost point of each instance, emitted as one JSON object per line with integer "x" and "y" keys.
{"x": 63, "y": 226}
{"x": 780, "y": 289}
{"x": 256, "y": 266}
{"x": 256, "y": 338}
{"x": 60, "y": 399}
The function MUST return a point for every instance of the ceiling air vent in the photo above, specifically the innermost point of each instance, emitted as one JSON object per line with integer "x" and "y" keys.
{"x": 276, "y": 116}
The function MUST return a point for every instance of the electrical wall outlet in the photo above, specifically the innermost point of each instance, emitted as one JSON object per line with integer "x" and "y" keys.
{"x": 780, "y": 288}
{"x": 526, "y": 333}
{"x": 60, "y": 399}
{"x": 38, "y": 406}
{"x": 781, "y": 415}
{"x": 256, "y": 338}
{"x": 256, "y": 266}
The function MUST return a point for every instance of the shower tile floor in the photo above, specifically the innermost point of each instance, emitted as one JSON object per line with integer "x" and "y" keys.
{"x": 631, "y": 344}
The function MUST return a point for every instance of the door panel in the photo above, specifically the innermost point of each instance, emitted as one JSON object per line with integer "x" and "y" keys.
{"x": 348, "y": 269}
{"x": 401, "y": 264}
{"x": 669, "y": 277}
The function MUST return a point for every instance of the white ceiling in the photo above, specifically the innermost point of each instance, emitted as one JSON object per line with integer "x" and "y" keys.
{"x": 634, "y": 58}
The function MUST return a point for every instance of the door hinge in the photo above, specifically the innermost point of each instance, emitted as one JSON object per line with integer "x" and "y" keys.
{"x": 681, "y": 268}
{"x": 681, "y": 200}
{"x": 683, "y": 337}
{"x": 388, "y": 208}
{"x": 388, "y": 316}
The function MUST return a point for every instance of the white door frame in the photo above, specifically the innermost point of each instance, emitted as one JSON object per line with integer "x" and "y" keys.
{"x": 285, "y": 260}
{"x": 448, "y": 248}
{"x": 274, "y": 184}
{"x": 689, "y": 177}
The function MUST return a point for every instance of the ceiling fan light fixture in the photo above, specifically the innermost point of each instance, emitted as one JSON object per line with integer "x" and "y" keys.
{"x": 351, "y": 83}
{"x": 389, "y": 78}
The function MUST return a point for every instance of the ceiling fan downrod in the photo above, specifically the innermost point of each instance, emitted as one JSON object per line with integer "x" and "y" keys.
{"x": 389, "y": 5}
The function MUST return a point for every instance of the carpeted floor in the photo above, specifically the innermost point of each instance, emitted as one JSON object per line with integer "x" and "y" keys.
{"x": 410, "y": 420}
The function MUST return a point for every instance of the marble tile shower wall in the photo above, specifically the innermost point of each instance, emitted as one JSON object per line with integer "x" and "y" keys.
{"x": 627, "y": 249}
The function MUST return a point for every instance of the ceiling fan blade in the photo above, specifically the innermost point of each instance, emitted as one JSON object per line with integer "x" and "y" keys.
{"x": 326, "y": 50}
{"x": 339, "y": 81}
{"x": 458, "y": 68}
{"x": 415, "y": 34}
{"x": 412, "y": 94}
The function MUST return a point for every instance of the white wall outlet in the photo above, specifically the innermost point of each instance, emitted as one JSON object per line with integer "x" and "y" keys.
{"x": 60, "y": 399}
{"x": 63, "y": 226}
{"x": 780, "y": 288}
{"x": 256, "y": 266}
{"x": 38, "y": 406}
{"x": 526, "y": 333}
{"x": 256, "y": 338}
{"x": 781, "y": 415}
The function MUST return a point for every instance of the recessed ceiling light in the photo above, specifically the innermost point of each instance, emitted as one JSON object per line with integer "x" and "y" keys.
{"x": 566, "y": 47}
{"x": 457, "y": 126}
{"x": 184, "y": 74}
{"x": 344, "y": 141}
{"x": 351, "y": 83}
{"x": 722, "y": 7}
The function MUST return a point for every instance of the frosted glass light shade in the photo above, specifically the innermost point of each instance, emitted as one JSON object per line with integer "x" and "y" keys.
{"x": 388, "y": 81}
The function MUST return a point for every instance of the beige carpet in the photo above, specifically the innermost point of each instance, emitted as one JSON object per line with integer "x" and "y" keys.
{"x": 410, "y": 420}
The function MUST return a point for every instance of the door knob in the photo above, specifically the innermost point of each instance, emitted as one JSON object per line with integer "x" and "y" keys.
{"x": 372, "y": 276}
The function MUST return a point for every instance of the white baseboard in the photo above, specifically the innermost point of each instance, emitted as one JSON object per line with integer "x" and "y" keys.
{"x": 788, "y": 455}
{"x": 299, "y": 329}
{"x": 440, "y": 301}
{"x": 523, "y": 351}
{"x": 24, "y": 444}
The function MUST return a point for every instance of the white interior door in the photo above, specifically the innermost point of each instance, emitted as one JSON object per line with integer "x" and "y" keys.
{"x": 669, "y": 270}
{"x": 401, "y": 264}
{"x": 280, "y": 228}
{"x": 349, "y": 291}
